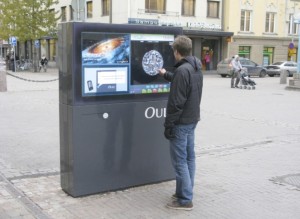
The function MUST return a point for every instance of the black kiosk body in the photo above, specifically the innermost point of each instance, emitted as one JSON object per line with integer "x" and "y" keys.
{"x": 112, "y": 105}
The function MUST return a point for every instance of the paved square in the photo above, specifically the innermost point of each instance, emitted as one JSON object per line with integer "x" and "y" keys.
{"x": 247, "y": 146}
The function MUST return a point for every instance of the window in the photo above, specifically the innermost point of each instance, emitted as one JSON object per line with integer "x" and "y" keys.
{"x": 268, "y": 54}
{"x": 89, "y": 9}
{"x": 52, "y": 49}
{"x": 292, "y": 25}
{"x": 155, "y": 6}
{"x": 248, "y": 63}
{"x": 270, "y": 23}
{"x": 188, "y": 7}
{"x": 105, "y": 7}
{"x": 63, "y": 14}
{"x": 71, "y": 12}
{"x": 244, "y": 51}
{"x": 245, "y": 20}
{"x": 213, "y": 9}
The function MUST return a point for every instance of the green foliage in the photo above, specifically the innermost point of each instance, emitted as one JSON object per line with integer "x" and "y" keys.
{"x": 27, "y": 19}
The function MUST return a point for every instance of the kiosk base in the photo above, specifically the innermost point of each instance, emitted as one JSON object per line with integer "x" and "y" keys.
{"x": 113, "y": 146}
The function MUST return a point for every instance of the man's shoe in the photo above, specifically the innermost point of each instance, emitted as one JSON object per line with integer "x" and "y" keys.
{"x": 236, "y": 86}
{"x": 174, "y": 197}
{"x": 177, "y": 206}
{"x": 232, "y": 86}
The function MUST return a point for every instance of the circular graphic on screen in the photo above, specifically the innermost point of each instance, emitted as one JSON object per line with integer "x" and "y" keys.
{"x": 152, "y": 61}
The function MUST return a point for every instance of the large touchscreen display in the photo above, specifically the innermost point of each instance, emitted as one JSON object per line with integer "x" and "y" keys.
{"x": 125, "y": 63}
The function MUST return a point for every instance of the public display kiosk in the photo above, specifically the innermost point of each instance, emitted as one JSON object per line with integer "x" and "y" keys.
{"x": 112, "y": 105}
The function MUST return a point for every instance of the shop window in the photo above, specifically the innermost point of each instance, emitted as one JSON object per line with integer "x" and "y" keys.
{"x": 105, "y": 7}
{"x": 52, "y": 48}
{"x": 89, "y": 9}
{"x": 244, "y": 51}
{"x": 213, "y": 9}
{"x": 155, "y": 6}
{"x": 270, "y": 22}
{"x": 63, "y": 14}
{"x": 246, "y": 17}
{"x": 188, "y": 7}
{"x": 268, "y": 55}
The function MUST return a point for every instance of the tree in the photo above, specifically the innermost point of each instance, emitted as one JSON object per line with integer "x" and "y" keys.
{"x": 28, "y": 20}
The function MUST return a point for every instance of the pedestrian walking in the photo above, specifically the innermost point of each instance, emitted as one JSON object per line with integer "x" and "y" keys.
{"x": 183, "y": 114}
{"x": 236, "y": 68}
{"x": 43, "y": 63}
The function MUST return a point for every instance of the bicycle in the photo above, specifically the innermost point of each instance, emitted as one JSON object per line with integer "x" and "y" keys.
{"x": 22, "y": 65}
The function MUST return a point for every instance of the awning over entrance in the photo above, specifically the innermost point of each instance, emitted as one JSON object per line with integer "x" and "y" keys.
{"x": 4, "y": 43}
{"x": 194, "y": 32}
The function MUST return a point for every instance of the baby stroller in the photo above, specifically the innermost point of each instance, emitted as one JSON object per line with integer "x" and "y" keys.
{"x": 245, "y": 81}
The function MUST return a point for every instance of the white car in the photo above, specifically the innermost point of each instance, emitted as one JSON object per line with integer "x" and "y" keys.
{"x": 289, "y": 66}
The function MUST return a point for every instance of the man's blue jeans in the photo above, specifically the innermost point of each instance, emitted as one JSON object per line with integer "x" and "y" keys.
{"x": 183, "y": 160}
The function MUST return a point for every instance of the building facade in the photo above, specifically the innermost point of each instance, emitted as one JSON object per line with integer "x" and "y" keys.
{"x": 264, "y": 30}
{"x": 201, "y": 19}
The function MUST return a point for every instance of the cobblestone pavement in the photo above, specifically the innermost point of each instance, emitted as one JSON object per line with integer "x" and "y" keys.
{"x": 247, "y": 146}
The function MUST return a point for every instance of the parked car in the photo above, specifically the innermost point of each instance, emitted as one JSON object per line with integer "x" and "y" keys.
{"x": 275, "y": 68}
{"x": 224, "y": 67}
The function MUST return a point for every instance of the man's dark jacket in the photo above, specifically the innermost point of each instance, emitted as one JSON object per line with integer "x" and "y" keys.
{"x": 185, "y": 92}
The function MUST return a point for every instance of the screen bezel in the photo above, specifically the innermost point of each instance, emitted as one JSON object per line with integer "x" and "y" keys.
{"x": 78, "y": 28}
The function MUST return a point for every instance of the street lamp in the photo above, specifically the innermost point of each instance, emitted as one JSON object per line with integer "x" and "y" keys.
{"x": 297, "y": 21}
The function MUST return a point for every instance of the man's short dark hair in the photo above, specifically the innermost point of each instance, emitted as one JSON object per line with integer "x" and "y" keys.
{"x": 183, "y": 45}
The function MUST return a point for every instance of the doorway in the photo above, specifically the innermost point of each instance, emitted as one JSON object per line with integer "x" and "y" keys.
{"x": 209, "y": 54}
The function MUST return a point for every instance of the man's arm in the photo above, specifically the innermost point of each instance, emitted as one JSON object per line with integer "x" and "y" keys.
{"x": 240, "y": 65}
{"x": 166, "y": 74}
{"x": 177, "y": 99}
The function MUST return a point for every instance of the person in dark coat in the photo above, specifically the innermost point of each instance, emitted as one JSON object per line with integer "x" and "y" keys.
{"x": 43, "y": 63}
{"x": 183, "y": 114}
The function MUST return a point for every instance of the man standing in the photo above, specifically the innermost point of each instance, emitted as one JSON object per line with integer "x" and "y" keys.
{"x": 183, "y": 114}
{"x": 236, "y": 68}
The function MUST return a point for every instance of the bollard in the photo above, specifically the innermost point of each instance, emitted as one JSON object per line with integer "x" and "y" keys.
{"x": 283, "y": 77}
{"x": 296, "y": 76}
{"x": 3, "y": 85}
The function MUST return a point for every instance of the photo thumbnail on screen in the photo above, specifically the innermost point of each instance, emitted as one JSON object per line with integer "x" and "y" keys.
{"x": 105, "y": 48}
